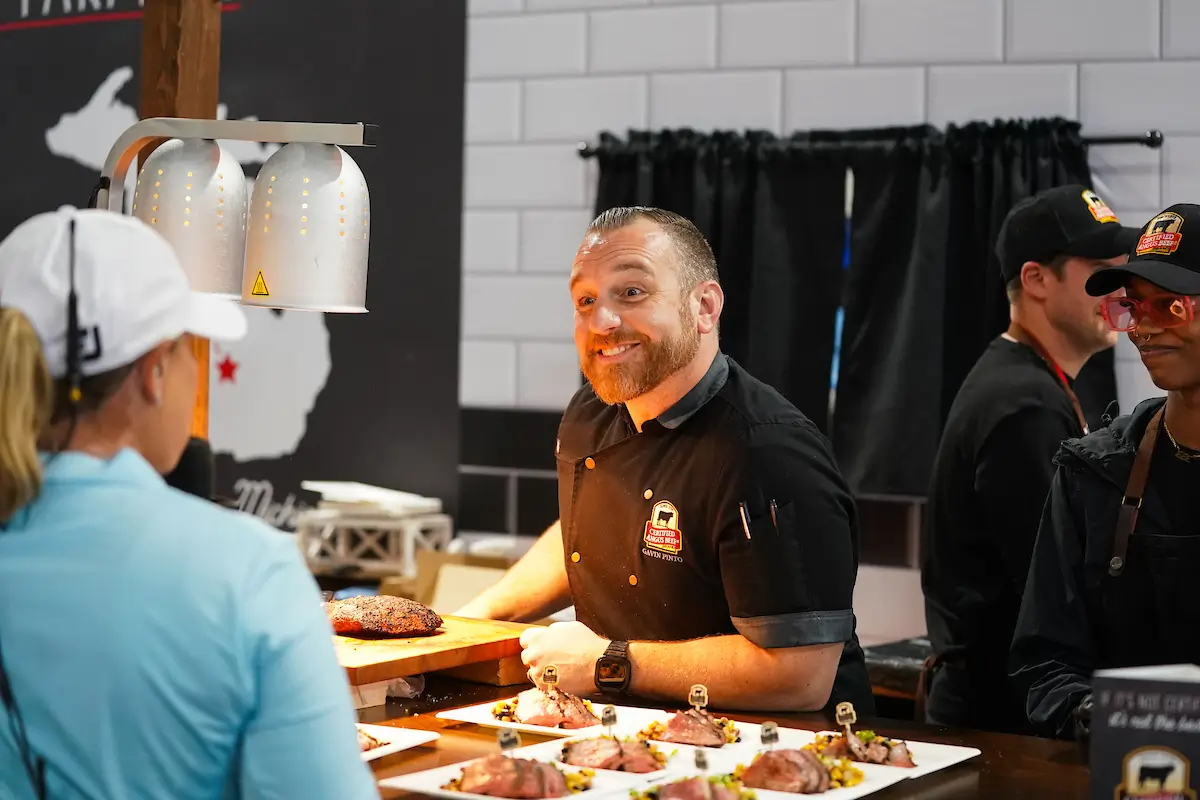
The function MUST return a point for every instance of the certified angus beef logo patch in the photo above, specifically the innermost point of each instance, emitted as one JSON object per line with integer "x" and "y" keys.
{"x": 1155, "y": 772}
{"x": 662, "y": 529}
{"x": 1098, "y": 207}
{"x": 1162, "y": 235}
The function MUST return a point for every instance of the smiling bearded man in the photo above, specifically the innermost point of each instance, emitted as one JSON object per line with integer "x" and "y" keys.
{"x": 706, "y": 535}
{"x": 615, "y": 379}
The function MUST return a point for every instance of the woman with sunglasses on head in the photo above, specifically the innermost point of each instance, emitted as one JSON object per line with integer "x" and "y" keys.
{"x": 1117, "y": 557}
{"x": 152, "y": 644}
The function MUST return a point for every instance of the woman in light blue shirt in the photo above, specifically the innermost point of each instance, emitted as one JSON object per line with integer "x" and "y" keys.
{"x": 155, "y": 645}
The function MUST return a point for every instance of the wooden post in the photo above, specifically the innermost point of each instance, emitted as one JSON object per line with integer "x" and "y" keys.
{"x": 181, "y": 67}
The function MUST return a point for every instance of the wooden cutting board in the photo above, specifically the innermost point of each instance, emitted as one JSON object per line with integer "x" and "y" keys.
{"x": 459, "y": 641}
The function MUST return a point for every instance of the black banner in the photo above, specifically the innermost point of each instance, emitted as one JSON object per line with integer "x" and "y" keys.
{"x": 371, "y": 398}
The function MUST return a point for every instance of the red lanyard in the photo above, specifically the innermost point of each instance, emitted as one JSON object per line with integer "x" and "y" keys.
{"x": 1027, "y": 338}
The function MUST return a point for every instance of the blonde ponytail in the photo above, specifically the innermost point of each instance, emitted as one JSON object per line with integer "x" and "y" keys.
{"x": 26, "y": 402}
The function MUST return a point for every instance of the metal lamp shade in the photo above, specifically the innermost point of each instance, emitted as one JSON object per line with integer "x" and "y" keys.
{"x": 193, "y": 192}
{"x": 309, "y": 232}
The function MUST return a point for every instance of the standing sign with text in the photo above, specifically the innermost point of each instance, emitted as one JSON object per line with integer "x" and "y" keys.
{"x": 305, "y": 396}
{"x": 1145, "y": 733}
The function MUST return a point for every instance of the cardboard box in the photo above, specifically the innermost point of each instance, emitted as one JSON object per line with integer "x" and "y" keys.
{"x": 1145, "y": 735}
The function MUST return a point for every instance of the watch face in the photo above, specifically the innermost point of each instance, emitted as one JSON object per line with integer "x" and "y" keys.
{"x": 612, "y": 671}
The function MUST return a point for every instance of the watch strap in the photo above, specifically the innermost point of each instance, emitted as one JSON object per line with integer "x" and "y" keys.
{"x": 617, "y": 650}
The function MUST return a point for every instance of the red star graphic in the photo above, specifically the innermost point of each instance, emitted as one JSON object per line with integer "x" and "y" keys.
{"x": 228, "y": 369}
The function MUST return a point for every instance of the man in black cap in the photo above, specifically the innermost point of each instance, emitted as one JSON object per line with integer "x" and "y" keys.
{"x": 994, "y": 464}
{"x": 1117, "y": 556}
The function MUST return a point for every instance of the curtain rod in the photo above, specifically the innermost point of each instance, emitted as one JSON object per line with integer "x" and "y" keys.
{"x": 1152, "y": 139}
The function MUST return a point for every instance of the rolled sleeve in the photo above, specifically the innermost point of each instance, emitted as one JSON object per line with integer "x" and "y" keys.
{"x": 797, "y": 630}
{"x": 790, "y": 582}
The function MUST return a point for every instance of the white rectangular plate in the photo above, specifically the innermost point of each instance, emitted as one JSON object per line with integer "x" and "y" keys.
{"x": 627, "y": 718}
{"x": 723, "y": 762}
{"x": 930, "y": 757}
{"x": 394, "y": 740}
{"x": 430, "y": 782}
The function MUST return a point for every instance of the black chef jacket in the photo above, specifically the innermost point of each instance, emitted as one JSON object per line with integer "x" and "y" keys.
{"x": 993, "y": 469}
{"x": 653, "y": 533}
{"x": 1075, "y": 617}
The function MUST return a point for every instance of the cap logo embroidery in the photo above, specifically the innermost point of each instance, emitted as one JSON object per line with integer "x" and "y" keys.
{"x": 1098, "y": 207}
{"x": 662, "y": 529}
{"x": 1162, "y": 235}
{"x": 89, "y": 343}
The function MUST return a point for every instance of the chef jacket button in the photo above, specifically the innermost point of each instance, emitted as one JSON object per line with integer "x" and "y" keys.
{"x": 589, "y": 462}
{"x": 633, "y": 580}
{"x": 575, "y": 556}
{"x": 648, "y": 494}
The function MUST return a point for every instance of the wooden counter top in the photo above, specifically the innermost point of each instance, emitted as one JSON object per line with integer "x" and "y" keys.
{"x": 1009, "y": 767}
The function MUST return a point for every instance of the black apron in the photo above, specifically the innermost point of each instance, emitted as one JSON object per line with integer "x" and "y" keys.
{"x": 1144, "y": 607}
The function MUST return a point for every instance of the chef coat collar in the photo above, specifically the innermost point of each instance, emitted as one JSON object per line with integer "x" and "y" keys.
{"x": 704, "y": 390}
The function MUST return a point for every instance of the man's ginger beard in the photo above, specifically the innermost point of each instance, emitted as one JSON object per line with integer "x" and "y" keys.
{"x": 651, "y": 364}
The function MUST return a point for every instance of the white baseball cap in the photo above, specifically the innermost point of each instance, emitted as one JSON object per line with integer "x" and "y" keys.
{"x": 131, "y": 291}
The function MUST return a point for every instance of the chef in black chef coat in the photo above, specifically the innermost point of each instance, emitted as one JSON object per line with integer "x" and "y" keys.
{"x": 1117, "y": 558}
{"x": 706, "y": 534}
{"x": 995, "y": 461}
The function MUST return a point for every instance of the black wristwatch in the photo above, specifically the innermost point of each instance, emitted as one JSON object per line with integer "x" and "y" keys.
{"x": 613, "y": 669}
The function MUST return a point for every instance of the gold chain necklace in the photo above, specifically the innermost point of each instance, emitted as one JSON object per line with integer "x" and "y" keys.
{"x": 1182, "y": 453}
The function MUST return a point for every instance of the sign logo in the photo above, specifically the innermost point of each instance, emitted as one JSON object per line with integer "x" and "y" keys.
{"x": 1162, "y": 235}
{"x": 662, "y": 529}
{"x": 257, "y": 497}
{"x": 1155, "y": 772}
{"x": 1098, "y": 207}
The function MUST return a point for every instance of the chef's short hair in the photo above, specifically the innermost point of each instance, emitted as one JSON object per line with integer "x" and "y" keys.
{"x": 1057, "y": 265}
{"x": 696, "y": 260}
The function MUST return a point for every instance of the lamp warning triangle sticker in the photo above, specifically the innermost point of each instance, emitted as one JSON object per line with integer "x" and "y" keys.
{"x": 260, "y": 287}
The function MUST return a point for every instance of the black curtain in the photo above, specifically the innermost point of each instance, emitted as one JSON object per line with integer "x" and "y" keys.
{"x": 884, "y": 422}
{"x": 925, "y": 295}
{"x": 772, "y": 210}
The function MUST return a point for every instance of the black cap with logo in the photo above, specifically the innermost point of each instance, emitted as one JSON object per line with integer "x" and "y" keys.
{"x": 1162, "y": 255}
{"x": 1065, "y": 220}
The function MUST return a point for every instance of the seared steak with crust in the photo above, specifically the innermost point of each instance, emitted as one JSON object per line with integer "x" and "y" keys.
{"x": 381, "y": 615}
{"x": 499, "y": 775}
{"x": 795, "y": 771}
{"x": 695, "y": 728}
{"x": 553, "y": 708}
{"x": 876, "y": 750}
{"x": 609, "y": 753}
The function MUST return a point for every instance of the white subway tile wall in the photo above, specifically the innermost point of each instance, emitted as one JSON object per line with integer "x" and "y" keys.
{"x": 545, "y": 75}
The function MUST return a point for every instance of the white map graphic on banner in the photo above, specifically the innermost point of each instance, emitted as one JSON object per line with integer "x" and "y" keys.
{"x": 85, "y": 136}
{"x": 262, "y": 388}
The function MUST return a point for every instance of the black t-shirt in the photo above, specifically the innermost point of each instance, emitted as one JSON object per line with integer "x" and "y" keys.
{"x": 990, "y": 481}
{"x": 655, "y": 542}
